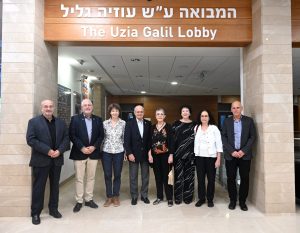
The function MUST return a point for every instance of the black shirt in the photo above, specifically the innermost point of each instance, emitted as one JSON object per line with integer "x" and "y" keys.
{"x": 52, "y": 130}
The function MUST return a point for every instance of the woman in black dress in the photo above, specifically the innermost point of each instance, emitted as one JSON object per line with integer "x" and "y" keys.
{"x": 161, "y": 155}
{"x": 184, "y": 168}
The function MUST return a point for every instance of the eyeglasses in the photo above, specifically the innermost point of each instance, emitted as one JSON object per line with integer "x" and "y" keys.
{"x": 160, "y": 114}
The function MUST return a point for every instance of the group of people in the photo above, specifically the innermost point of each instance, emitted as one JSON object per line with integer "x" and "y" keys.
{"x": 184, "y": 146}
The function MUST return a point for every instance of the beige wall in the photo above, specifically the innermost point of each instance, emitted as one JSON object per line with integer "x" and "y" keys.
{"x": 29, "y": 74}
{"x": 268, "y": 97}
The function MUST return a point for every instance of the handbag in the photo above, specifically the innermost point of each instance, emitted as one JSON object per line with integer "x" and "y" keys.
{"x": 171, "y": 176}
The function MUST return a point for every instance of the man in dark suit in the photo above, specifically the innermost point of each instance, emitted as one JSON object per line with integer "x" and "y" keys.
{"x": 86, "y": 134}
{"x": 238, "y": 136}
{"x": 136, "y": 141}
{"x": 48, "y": 138}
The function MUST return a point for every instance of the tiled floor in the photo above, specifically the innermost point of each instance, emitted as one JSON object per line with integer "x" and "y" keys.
{"x": 149, "y": 218}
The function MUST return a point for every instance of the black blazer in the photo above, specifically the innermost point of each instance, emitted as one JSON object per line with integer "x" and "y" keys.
{"x": 39, "y": 139}
{"x": 248, "y": 137}
{"x": 134, "y": 143}
{"x": 79, "y": 137}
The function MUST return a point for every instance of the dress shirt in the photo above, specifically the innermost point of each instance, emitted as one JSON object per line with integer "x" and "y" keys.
{"x": 237, "y": 133}
{"x": 52, "y": 130}
{"x": 89, "y": 126}
{"x": 141, "y": 126}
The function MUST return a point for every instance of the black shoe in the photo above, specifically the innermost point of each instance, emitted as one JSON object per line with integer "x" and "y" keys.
{"x": 157, "y": 201}
{"x": 145, "y": 200}
{"x": 199, "y": 203}
{"x": 178, "y": 202}
{"x": 210, "y": 204}
{"x": 55, "y": 214}
{"x": 243, "y": 207}
{"x": 170, "y": 203}
{"x": 36, "y": 220}
{"x": 133, "y": 201}
{"x": 188, "y": 202}
{"x": 91, "y": 204}
{"x": 231, "y": 205}
{"x": 77, "y": 207}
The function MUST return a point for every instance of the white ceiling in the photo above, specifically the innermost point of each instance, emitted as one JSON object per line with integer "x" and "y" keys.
{"x": 198, "y": 71}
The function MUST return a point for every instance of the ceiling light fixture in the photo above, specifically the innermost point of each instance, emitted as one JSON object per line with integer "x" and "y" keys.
{"x": 143, "y": 92}
{"x": 135, "y": 59}
{"x": 81, "y": 61}
{"x": 174, "y": 83}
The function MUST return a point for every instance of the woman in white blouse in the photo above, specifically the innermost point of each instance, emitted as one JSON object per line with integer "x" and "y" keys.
{"x": 113, "y": 154}
{"x": 207, "y": 149}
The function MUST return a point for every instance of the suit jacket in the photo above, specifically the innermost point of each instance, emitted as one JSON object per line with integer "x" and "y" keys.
{"x": 134, "y": 143}
{"x": 248, "y": 137}
{"x": 39, "y": 139}
{"x": 79, "y": 137}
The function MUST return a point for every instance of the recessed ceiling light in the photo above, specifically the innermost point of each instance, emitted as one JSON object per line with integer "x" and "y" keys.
{"x": 143, "y": 92}
{"x": 174, "y": 83}
{"x": 135, "y": 59}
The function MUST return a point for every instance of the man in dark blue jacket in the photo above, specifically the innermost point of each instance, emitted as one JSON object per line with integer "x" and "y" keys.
{"x": 86, "y": 134}
{"x": 238, "y": 137}
{"x": 136, "y": 142}
{"x": 48, "y": 138}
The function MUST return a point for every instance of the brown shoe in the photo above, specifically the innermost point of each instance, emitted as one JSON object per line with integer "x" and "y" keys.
{"x": 108, "y": 202}
{"x": 116, "y": 201}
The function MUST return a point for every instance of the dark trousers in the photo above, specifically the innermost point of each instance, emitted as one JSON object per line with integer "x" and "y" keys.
{"x": 184, "y": 173}
{"x": 161, "y": 169}
{"x": 231, "y": 171}
{"x": 133, "y": 177}
{"x": 112, "y": 163}
{"x": 40, "y": 175}
{"x": 206, "y": 167}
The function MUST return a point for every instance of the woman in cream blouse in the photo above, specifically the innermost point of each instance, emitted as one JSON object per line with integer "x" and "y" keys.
{"x": 207, "y": 149}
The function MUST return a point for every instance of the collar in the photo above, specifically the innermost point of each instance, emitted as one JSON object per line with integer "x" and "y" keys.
{"x": 87, "y": 117}
{"x": 139, "y": 121}
{"x": 234, "y": 119}
{"x": 52, "y": 120}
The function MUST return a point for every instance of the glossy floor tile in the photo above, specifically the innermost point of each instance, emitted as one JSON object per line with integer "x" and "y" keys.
{"x": 149, "y": 218}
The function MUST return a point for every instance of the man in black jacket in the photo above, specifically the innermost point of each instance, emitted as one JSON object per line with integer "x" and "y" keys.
{"x": 238, "y": 136}
{"x": 48, "y": 138}
{"x": 136, "y": 142}
{"x": 86, "y": 134}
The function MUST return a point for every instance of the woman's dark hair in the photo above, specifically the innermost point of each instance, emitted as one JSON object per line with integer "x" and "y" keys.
{"x": 113, "y": 105}
{"x": 211, "y": 120}
{"x": 185, "y": 106}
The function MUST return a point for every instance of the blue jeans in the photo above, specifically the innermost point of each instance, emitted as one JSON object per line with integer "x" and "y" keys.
{"x": 112, "y": 163}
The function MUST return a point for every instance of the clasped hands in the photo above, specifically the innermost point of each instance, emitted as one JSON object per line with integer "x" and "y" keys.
{"x": 238, "y": 154}
{"x": 53, "y": 153}
{"x": 88, "y": 150}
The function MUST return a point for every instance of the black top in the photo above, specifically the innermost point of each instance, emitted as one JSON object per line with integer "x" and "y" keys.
{"x": 52, "y": 130}
{"x": 162, "y": 140}
{"x": 183, "y": 139}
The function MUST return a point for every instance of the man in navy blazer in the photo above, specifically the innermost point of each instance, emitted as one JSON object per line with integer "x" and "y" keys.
{"x": 48, "y": 138}
{"x": 238, "y": 137}
{"x": 86, "y": 133}
{"x": 136, "y": 143}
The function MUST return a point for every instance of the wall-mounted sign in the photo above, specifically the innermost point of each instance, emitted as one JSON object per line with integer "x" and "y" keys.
{"x": 208, "y": 22}
{"x": 296, "y": 23}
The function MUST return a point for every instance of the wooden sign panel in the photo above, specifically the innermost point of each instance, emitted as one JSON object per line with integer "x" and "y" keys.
{"x": 147, "y": 23}
{"x": 296, "y": 23}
